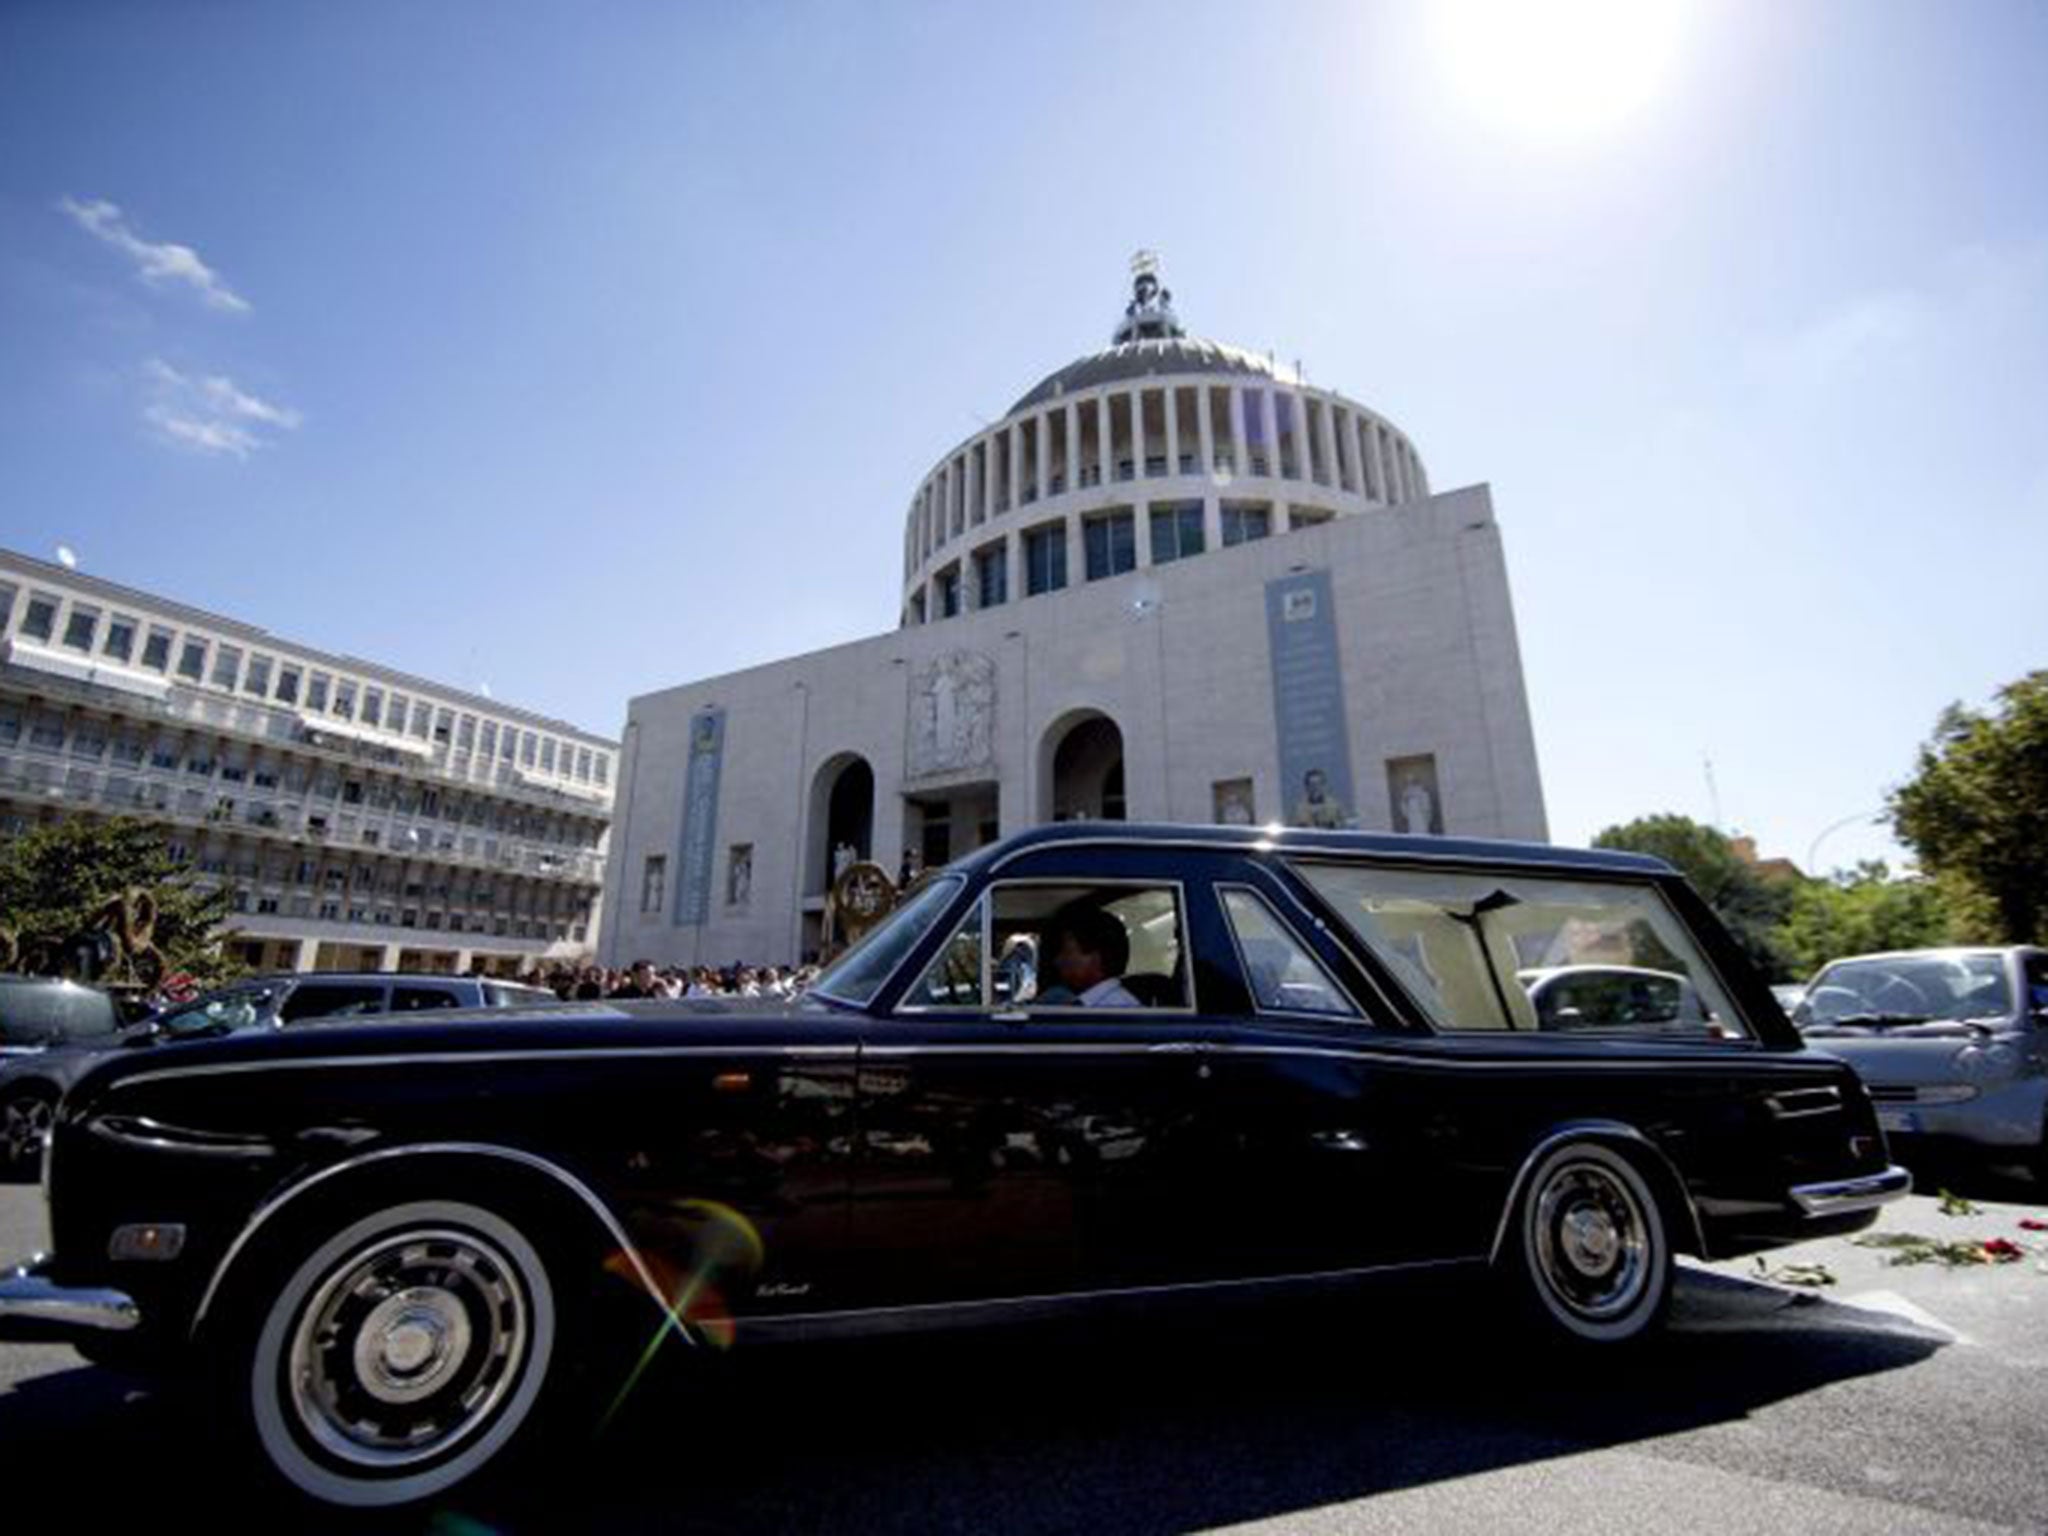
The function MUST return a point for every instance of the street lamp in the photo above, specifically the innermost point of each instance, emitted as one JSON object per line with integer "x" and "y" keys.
{"x": 1813, "y": 848}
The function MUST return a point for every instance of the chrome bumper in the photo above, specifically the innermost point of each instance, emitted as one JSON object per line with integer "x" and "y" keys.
{"x": 33, "y": 1308}
{"x": 1859, "y": 1194}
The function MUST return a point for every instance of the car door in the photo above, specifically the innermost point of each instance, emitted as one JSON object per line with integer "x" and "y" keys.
{"x": 1014, "y": 1143}
{"x": 1319, "y": 1097}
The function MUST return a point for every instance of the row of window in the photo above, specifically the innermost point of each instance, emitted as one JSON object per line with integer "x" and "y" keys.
{"x": 95, "y": 741}
{"x": 1296, "y": 437}
{"x": 1109, "y": 547}
{"x": 201, "y": 662}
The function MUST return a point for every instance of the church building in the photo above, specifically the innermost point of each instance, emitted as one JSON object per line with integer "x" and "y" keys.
{"x": 1173, "y": 583}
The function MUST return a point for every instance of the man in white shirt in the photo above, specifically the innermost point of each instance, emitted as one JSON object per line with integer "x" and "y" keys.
{"x": 1093, "y": 951}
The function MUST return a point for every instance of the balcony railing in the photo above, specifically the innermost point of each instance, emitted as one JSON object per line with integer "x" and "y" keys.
{"x": 49, "y": 777}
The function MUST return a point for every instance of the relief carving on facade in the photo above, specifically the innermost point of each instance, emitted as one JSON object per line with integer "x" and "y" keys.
{"x": 953, "y": 716}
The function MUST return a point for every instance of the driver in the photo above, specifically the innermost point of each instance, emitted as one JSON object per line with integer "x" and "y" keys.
{"x": 1089, "y": 952}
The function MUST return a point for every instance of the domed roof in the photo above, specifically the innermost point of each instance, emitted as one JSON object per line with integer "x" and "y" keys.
{"x": 1149, "y": 340}
{"x": 1136, "y": 359}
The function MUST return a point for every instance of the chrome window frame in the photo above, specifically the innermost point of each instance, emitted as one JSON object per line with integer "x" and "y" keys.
{"x": 1014, "y": 1012}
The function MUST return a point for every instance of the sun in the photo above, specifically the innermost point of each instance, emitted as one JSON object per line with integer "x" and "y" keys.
{"x": 1557, "y": 69}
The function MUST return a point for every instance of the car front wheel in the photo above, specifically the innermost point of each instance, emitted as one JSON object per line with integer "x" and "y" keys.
{"x": 1589, "y": 1253}
{"x": 399, "y": 1356}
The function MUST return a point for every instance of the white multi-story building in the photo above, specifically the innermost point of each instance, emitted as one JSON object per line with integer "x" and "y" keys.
{"x": 364, "y": 818}
{"x": 1173, "y": 583}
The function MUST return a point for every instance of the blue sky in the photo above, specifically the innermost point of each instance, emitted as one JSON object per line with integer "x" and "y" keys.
{"x": 584, "y": 350}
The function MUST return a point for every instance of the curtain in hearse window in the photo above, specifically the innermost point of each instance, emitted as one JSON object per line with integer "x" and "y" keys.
{"x": 1519, "y": 952}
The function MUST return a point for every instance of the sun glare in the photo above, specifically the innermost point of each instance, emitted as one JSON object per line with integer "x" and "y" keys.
{"x": 1557, "y": 69}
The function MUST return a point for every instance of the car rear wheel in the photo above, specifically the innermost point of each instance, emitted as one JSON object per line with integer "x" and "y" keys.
{"x": 25, "y": 1118}
{"x": 1589, "y": 1253}
{"x": 397, "y": 1357}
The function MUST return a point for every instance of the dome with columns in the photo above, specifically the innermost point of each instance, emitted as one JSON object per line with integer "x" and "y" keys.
{"x": 1159, "y": 447}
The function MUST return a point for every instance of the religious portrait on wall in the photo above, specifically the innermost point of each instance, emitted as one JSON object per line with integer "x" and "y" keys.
{"x": 1415, "y": 801}
{"x": 1232, "y": 799}
{"x": 1318, "y": 805}
{"x": 739, "y": 875}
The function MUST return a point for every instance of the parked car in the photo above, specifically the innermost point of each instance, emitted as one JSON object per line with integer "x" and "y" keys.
{"x": 1952, "y": 1043}
{"x": 30, "y": 1087}
{"x": 1244, "y": 1062}
{"x": 41, "y": 1017}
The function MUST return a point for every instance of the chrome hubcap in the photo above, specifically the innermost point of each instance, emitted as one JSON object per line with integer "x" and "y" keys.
{"x": 23, "y": 1124}
{"x": 409, "y": 1347}
{"x": 1592, "y": 1240}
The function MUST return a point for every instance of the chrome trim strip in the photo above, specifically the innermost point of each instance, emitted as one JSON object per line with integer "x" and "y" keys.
{"x": 528, "y": 1160}
{"x": 463, "y": 1058}
{"x": 1409, "y": 1049}
{"x": 1065, "y": 1298}
{"x": 1592, "y": 1130}
{"x": 27, "y": 1296}
{"x": 1865, "y": 1193}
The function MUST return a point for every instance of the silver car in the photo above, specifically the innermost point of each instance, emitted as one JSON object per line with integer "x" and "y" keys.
{"x": 1953, "y": 1043}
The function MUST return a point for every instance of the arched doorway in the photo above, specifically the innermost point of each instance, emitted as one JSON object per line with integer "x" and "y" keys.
{"x": 1081, "y": 769}
{"x": 842, "y": 814}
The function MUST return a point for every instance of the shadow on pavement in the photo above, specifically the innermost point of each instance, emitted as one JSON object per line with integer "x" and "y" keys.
{"x": 1162, "y": 1423}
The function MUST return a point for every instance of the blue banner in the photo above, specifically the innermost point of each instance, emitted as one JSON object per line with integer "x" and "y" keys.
{"x": 1310, "y": 730}
{"x": 699, "y": 850}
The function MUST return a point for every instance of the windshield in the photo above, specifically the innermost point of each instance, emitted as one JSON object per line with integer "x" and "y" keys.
{"x": 1909, "y": 989}
{"x": 858, "y": 974}
{"x": 36, "y": 1012}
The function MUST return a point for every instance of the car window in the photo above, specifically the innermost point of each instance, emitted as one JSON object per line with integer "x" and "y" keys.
{"x": 2037, "y": 984}
{"x": 218, "y": 1014}
{"x": 331, "y": 1000}
{"x": 1527, "y": 952}
{"x": 504, "y": 995}
{"x": 1061, "y": 945}
{"x": 1284, "y": 976}
{"x": 858, "y": 974}
{"x": 413, "y": 999}
{"x": 36, "y": 1012}
{"x": 1910, "y": 988}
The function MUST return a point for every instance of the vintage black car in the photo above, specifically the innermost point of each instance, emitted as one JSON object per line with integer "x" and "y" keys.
{"x": 1087, "y": 1064}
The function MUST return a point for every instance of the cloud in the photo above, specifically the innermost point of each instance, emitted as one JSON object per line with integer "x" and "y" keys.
{"x": 210, "y": 415}
{"x": 155, "y": 263}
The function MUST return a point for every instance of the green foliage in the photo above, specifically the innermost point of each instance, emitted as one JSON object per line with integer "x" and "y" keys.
{"x": 1859, "y": 911}
{"x": 1751, "y": 907}
{"x": 85, "y": 875}
{"x": 1976, "y": 810}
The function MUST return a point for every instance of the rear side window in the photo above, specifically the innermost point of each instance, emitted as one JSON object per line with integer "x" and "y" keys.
{"x": 413, "y": 999}
{"x": 332, "y": 1000}
{"x": 35, "y": 1013}
{"x": 1283, "y": 975}
{"x": 1529, "y": 952}
{"x": 499, "y": 995}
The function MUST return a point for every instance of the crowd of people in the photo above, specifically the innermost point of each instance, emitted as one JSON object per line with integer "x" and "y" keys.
{"x": 644, "y": 979}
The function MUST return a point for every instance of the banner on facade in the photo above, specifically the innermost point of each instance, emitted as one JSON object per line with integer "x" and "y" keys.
{"x": 1310, "y": 730}
{"x": 700, "y": 818}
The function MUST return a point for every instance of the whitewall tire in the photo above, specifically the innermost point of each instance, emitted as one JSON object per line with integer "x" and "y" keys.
{"x": 1589, "y": 1250}
{"x": 401, "y": 1355}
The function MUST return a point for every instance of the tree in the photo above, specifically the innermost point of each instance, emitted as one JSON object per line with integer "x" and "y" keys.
{"x": 1859, "y": 911}
{"x": 1750, "y": 906}
{"x": 104, "y": 900}
{"x": 1976, "y": 809}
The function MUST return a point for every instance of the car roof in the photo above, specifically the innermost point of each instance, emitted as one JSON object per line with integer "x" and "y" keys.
{"x": 1305, "y": 841}
{"x": 1944, "y": 952}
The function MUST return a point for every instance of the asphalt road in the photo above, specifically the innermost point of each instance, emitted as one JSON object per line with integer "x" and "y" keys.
{"x": 1910, "y": 1399}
